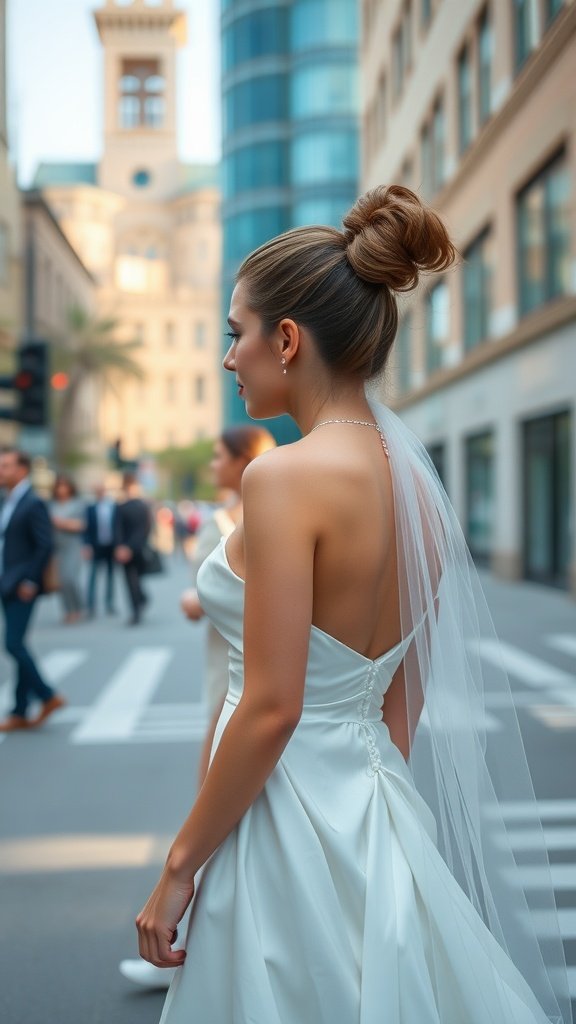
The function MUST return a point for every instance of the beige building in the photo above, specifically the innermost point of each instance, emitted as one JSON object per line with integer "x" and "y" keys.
{"x": 147, "y": 228}
{"x": 473, "y": 104}
{"x": 10, "y": 242}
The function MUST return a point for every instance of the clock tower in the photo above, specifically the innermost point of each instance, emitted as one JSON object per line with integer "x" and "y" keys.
{"x": 140, "y": 39}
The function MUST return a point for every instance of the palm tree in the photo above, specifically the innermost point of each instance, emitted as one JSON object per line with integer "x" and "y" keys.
{"x": 89, "y": 353}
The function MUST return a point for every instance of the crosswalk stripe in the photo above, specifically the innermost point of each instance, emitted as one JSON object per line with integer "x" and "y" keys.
{"x": 564, "y": 642}
{"x": 546, "y": 810}
{"x": 113, "y": 716}
{"x": 536, "y": 876}
{"x": 58, "y": 664}
{"x": 566, "y": 921}
{"x": 525, "y": 839}
{"x": 527, "y": 668}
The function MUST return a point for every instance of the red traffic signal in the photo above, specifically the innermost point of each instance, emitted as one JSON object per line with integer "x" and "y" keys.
{"x": 59, "y": 381}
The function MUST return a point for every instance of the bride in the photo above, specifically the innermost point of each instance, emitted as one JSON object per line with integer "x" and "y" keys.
{"x": 348, "y": 847}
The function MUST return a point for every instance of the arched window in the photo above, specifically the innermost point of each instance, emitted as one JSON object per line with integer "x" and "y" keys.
{"x": 154, "y": 83}
{"x": 141, "y": 87}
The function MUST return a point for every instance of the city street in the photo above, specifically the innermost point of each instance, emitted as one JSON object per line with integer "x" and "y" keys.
{"x": 89, "y": 804}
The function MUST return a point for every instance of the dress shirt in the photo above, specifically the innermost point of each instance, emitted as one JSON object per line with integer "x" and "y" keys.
{"x": 104, "y": 513}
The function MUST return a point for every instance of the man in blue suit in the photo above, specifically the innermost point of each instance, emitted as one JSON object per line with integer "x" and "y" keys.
{"x": 99, "y": 538}
{"x": 25, "y": 547}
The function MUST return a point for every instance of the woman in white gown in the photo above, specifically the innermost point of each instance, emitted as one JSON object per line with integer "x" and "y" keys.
{"x": 348, "y": 849}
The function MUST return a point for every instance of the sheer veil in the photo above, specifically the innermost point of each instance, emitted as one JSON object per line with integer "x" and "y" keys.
{"x": 469, "y": 776}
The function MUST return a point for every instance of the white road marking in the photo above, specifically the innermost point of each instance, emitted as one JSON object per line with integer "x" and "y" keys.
{"x": 56, "y": 665}
{"x": 564, "y": 642}
{"x": 526, "y": 667}
{"x": 536, "y": 876}
{"x": 545, "y": 810}
{"x": 114, "y": 715}
{"x": 523, "y": 839}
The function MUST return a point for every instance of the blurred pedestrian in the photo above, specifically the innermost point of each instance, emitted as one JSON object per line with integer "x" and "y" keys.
{"x": 132, "y": 529}
{"x": 235, "y": 449}
{"x": 99, "y": 541}
{"x": 68, "y": 513}
{"x": 26, "y": 542}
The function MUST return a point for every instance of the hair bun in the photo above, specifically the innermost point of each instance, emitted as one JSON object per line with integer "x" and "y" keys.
{"x": 391, "y": 236}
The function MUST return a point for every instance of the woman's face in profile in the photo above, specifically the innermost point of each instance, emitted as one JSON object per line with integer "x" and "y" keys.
{"x": 252, "y": 359}
{"x": 226, "y": 469}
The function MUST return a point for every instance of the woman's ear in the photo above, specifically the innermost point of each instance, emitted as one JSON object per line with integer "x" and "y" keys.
{"x": 288, "y": 339}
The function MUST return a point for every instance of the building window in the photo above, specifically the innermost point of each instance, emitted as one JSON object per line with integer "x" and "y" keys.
{"x": 438, "y": 144}
{"x": 477, "y": 289}
{"x": 402, "y": 50}
{"x": 407, "y": 173}
{"x": 525, "y": 22}
{"x": 325, "y": 156}
{"x": 464, "y": 100}
{"x": 170, "y": 389}
{"x": 552, "y": 8}
{"x": 169, "y": 335}
{"x": 543, "y": 218}
{"x": 425, "y": 12}
{"x": 547, "y": 471}
{"x": 258, "y": 34}
{"x": 426, "y": 161}
{"x": 485, "y": 57}
{"x": 480, "y": 506}
{"x": 199, "y": 388}
{"x": 4, "y": 253}
{"x": 404, "y": 353}
{"x": 141, "y": 178}
{"x": 325, "y": 89}
{"x": 437, "y": 453}
{"x": 437, "y": 325}
{"x": 255, "y": 101}
{"x": 381, "y": 109}
{"x": 141, "y": 102}
{"x": 200, "y": 335}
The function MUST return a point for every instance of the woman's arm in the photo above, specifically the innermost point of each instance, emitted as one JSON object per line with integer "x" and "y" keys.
{"x": 69, "y": 525}
{"x": 279, "y": 556}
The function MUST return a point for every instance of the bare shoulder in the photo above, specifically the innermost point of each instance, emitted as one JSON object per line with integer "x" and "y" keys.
{"x": 276, "y": 467}
{"x": 280, "y": 487}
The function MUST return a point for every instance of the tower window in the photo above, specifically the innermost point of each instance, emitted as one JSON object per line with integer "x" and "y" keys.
{"x": 141, "y": 101}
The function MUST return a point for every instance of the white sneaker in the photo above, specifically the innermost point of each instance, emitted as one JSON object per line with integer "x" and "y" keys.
{"x": 145, "y": 974}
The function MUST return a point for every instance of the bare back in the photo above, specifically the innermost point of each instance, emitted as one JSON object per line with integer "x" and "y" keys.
{"x": 342, "y": 492}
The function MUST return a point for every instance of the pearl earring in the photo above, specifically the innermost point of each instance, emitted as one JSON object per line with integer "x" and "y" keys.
{"x": 283, "y": 361}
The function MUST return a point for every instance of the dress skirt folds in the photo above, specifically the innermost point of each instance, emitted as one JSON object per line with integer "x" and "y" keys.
{"x": 329, "y": 903}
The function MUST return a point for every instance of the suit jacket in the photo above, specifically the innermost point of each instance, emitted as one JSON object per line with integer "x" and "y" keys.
{"x": 28, "y": 544}
{"x": 133, "y": 524}
{"x": 91, "y": 531}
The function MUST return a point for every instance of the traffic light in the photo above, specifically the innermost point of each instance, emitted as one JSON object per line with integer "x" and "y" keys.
{"x": 30, "y": 384}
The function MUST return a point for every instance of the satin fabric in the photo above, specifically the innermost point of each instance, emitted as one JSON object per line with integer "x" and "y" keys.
{"x": 329, "y": 903}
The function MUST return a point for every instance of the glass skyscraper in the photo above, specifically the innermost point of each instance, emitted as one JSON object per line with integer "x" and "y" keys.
{"x": 290, "y": 128}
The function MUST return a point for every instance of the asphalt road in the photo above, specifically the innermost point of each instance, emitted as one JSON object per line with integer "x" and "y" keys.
{"x": 89, "y": 804}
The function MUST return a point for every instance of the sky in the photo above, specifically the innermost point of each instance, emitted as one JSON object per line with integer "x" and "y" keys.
{"x": 55, "y": 83}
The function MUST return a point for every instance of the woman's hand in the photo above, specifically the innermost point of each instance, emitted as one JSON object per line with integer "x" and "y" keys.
{"x": 190, "y": 605}
{"x": 123, "y": 554}
{"x": 157, "y": 923}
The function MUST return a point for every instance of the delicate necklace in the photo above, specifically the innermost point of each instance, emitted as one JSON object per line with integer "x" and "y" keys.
{"x": 357, "y": 423}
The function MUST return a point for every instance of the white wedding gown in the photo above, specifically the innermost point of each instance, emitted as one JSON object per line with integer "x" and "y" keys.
{"x": 329, "y": 902}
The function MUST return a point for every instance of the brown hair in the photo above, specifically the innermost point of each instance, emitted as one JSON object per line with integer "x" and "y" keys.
{"x": 61, "y": 478}
{"x": 247, "y": 441}
{"x": 340, "y": 285}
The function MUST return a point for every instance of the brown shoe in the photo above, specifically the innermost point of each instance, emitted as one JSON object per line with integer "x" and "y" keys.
{"x": 49, "y": 707}
{"x": 15, "y": 722}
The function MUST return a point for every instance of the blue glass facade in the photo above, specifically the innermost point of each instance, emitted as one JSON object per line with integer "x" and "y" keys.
{"x": 290, "y": 128}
